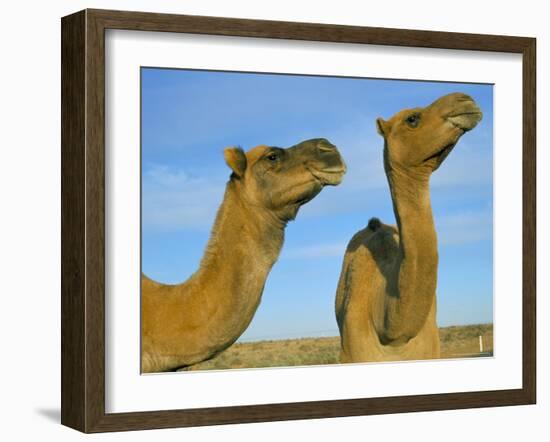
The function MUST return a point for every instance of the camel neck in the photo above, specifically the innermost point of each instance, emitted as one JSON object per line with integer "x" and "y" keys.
{"x": 244, "y": 245}
{"x": 408, "y": 308}
{"x": 242, "y": 233}
{"x": 413, "y": 211}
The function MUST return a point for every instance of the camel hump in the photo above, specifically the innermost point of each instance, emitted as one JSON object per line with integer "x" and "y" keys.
{"x": 374, "y": 224}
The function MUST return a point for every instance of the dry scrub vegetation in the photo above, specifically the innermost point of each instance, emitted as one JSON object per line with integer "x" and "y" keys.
{"x": 456, "y": 342}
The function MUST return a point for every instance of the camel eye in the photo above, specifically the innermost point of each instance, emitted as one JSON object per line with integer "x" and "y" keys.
{"x": 413, "y": 120}
{"x": 272, "y": 157}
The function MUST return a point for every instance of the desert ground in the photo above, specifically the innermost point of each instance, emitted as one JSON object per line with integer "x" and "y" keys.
{"x": 456, "y": 342}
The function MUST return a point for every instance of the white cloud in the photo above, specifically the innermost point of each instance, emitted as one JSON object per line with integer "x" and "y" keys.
{"x": 470, "y": 164}
{"x": 333, "y": 249}
{"x": 173, "y": 199}
{"x": 455, "y": 229}
{"x": 465, "y": 228}
{"x": 465, "y": 176}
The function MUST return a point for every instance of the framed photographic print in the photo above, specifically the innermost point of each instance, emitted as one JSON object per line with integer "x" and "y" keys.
{"x": 270, "y": 220}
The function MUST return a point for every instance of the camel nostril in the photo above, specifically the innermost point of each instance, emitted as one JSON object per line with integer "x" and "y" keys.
{"x": 464, "y": 97}
{"x": 325, "y": 146}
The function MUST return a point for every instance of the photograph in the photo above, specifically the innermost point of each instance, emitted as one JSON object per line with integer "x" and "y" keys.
{"x": 268, "y": 219}
{"x": 304, "y": 220}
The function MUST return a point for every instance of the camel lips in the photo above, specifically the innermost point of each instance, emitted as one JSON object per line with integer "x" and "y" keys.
{"x": 303, "y": 201}
{"x": 441, "y": 153}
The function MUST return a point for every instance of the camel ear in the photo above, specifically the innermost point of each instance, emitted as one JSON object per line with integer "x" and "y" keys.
{"x": 236, "y": 160}
{"x": 381, "y": 126}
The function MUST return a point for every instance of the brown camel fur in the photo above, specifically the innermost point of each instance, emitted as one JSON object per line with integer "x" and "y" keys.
{"x": 386, "y": 296}
{"x": 191, "y": 322}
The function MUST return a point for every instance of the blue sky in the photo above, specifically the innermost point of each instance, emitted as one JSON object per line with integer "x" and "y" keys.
{"x": 188, "y": 117}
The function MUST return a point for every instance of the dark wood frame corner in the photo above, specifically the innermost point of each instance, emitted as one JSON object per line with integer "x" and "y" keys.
{"x": 83, "y": 219}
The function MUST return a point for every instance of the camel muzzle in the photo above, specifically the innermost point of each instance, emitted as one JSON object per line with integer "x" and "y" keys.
{"x": 323, "y": 160}
{"x": 331, "y": 167}
{"x": 466, "y": 113}
{"x": 467, "y": 120}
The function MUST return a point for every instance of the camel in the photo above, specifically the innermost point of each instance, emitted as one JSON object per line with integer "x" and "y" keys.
{"x": 386, "y": 295}
{"x": 191, "y": 322}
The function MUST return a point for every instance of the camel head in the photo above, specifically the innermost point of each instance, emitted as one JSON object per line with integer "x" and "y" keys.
{"x": 282, "y": 180}
{"x": 421, "y": 138}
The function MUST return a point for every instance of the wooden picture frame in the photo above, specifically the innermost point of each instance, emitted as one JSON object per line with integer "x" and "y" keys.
{"x": 83, "y": 220}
